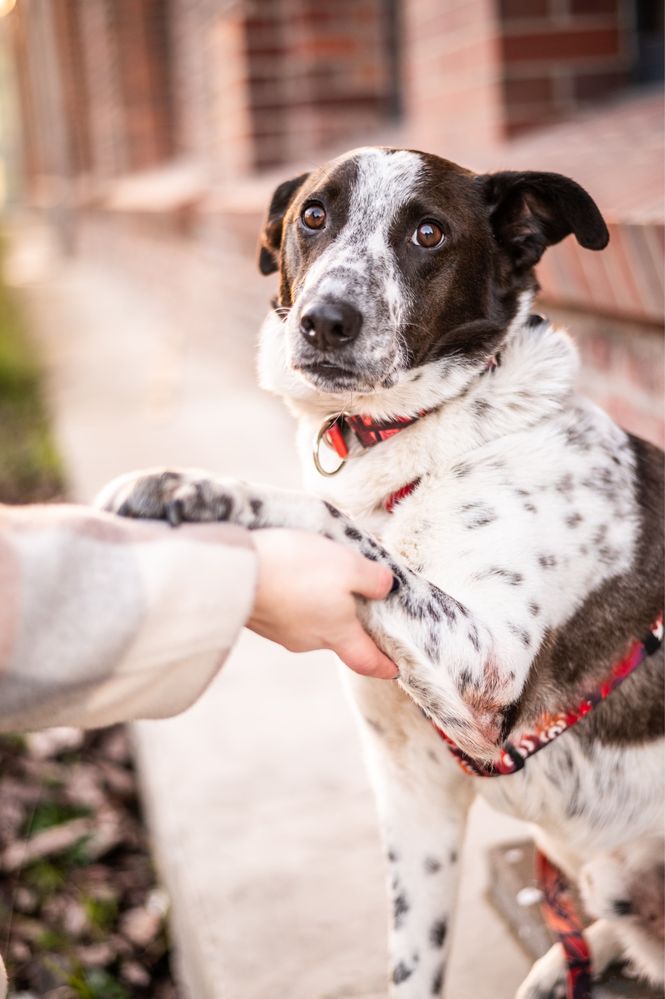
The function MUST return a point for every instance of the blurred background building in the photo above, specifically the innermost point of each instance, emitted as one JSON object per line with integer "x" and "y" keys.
{"x": 145, "y": 119}
{"x": 140, "y": 141}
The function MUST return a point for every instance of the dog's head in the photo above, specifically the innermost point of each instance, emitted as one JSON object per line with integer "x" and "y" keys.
{"x": 392, "y": 259}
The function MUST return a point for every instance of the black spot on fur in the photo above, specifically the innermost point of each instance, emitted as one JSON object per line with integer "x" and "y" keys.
{"x": 437, "y": 933}
{"x": 577, "y": 439}
{"x": 393, "y": 855}
{"x": 431, "y": 865}
{"x": 448, "y": 605}
{"x": 401, "y": 972}
{"x": 473, "y": 638}
{"x": 453, "y": 856}
{"x": 599, "y": 535}
{"x": 256, "y": 506}
{"x": 482, "y": 518}
{"x": 565, "y": 485}
{"x": 481, "y": 407}
{"x": 534, "y": 609}
{"x": 521, "y": 633}
{"x": 601, "y": 481}
{"x": 352, "y": 533}
{"x": 574, "y": 519}
{"x": 622, "y": 907}
{"x": 508, "y": 718}
{"x": 464, "y": 681}
{"x": 437, "y": 980}
{"x": 433, "y": 610}
{"x": 332, "y": 510}
{"x": 510, "y": 577}
{"x": 547, "y": 561}
{"x": 531, "y": 508}
{"x": 400, "y": 908}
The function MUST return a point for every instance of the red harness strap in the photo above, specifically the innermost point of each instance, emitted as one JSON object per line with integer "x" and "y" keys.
{"x": 564, "y": 923}
{"x": 390, "y": 502}
{"x": 513, "y": 755}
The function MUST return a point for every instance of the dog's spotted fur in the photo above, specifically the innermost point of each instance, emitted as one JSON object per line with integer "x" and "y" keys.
{"x": 527, "y": 558}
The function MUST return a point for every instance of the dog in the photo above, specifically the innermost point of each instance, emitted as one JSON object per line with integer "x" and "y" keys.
{"x": 521, "y": 524}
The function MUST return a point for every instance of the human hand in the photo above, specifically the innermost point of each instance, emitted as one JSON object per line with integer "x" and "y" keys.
{"x": 305, "y": 597}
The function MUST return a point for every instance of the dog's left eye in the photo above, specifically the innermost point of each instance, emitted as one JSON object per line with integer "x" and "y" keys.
{"x": 429, "y": 235}
{"x": 314, "y": 216}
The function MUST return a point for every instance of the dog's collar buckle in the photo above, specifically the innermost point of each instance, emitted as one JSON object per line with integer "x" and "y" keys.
{"x": 331, "y": 433}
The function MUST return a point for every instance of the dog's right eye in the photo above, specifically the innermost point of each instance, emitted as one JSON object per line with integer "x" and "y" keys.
{"x": 429, "y": 235}
{"x": 313, "y": 216}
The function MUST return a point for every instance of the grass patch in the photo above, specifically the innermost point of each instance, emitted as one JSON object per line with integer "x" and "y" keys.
{"x": 30, "y": 468}
{"x": 52, "y": 813}
{"x": 95, "y": 983}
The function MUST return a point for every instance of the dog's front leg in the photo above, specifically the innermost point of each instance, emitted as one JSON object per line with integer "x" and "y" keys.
{"x": 444, "y": 652}
{"x": 423, "y": 799}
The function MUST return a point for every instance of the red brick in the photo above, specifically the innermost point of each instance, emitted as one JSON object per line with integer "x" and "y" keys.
{"x": 517, "y": 9}
{"x": 593, "y": 85}
{"x": 593, "y": 6}
{"x": 518, "y": 121}
{"x": 561, "y": 44}
{"x": 528, "y": 90}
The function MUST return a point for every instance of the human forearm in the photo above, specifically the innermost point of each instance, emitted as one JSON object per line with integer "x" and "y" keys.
{"x": 104, "y": 619}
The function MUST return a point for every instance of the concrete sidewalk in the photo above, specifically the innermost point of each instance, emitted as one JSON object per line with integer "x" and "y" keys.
{"x": 262, "y": 817}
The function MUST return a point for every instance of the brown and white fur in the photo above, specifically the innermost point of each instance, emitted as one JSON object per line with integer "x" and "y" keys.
{"x": 526, "y": 560}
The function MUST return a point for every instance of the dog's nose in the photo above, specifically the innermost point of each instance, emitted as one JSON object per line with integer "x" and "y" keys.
{"x": 330, "y": 325}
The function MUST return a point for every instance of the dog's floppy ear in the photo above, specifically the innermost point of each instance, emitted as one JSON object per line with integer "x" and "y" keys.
{"x": 270, "y": 239}
{"x": 531, "y": 211}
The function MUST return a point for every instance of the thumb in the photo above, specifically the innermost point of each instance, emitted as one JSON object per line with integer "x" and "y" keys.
{"x": 370, "y": 579}
{"x": 362, "y": 656}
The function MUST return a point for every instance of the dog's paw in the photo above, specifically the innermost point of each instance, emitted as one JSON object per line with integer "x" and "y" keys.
{"x": 547, "y": 978}
{"x": 175, "y": 496}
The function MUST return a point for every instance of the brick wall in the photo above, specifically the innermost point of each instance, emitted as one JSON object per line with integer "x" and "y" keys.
{"x": 558, "y": 55}
{"x": 623, "y": 369}
{"x": 76, "y": 108}
{"x": 480, "y": 71}
{"x": 140, "y": 36}
{"x": 102, "y": 72}
{"x": 452, "y": 98}
{"x": 336, "y": 65}
{"x": 289, "y": 78}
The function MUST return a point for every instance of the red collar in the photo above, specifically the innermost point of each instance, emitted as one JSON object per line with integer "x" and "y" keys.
{"x": 368, "y": 431}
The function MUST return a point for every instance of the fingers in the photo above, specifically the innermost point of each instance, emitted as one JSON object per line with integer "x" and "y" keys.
{"x": 362, "y": 656}
{"x": 370, "y": 579}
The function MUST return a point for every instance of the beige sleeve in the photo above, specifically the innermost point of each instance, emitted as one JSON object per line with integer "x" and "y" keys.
{"x": 104, "y": 619}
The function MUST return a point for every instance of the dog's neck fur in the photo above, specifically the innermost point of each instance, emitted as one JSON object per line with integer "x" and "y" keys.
{"x": 536, "y": 376}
